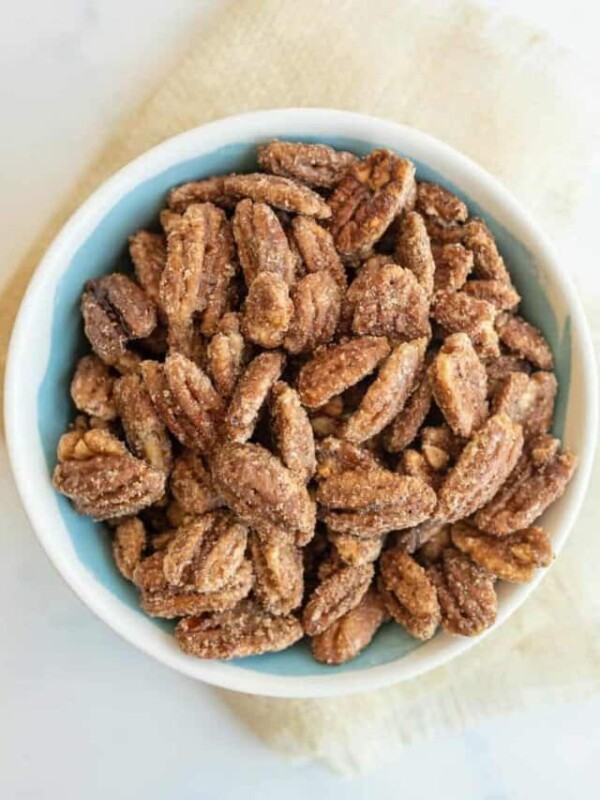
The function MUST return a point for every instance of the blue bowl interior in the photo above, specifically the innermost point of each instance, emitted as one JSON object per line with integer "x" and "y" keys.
{"x": 106, "y": 250}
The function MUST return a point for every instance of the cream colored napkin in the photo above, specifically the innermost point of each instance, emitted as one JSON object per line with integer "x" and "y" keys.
{"x": 503, "y": 94}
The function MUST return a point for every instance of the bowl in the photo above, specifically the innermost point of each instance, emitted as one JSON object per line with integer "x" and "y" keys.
{"x": 48, "y": 337}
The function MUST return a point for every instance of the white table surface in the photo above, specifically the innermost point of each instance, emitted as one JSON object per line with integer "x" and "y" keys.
{"x": 84, "y": 715}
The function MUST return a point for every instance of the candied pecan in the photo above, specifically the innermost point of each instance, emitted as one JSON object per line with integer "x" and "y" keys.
{"x": 387, "y": 395}
{"x": 316, "y": 303}
{"x": 207, "y": 552}
{"x": 209, "y": 190}
{"x": 115, "y": 310}
{"x": 416, "y": 537}
{"x": 481, "y": 469}
{"x": 525, "y": 340}
{"x": 367, "y": 199}
{"x": 403, "y": 429}
{"x": 249, "y": 395}
{"x": 416, "y": 465}
{"x": 351, "y": 633}
{"x": 436, "y": 201}
{"x": 459, "y": 384}
{"x": 278, "y": 192}
{"x": 219, "y": 268}
{"x": 387, "y": 300}
{"x": 513, "y": 558}
{"x": 225, "y": 355}
{"x": 501, "y": 367}
{"x": 278, "y": 570}
{"x": 529, "y": 490}
{"x": 430, "y": 552}
{"x": 313, "y": 164}
{"x": 293, "y": 432}
{"x": 247, "y": 630}
{"x": 184, "y": 282}
{"x": 257, "y": 486}
{"x": 169, "y": 220}
{"x": 528, "y": 400}
{"x": 335, "y": 596}
{"x": 191, "y": 485}
{"x": 172, "y": 602}
{"x": 465, "y": 593}
{"x": 261, "y": 242}
{"x": 408, "y": 594}
{"x": 186, "y": 400}
{"x": 453, "y": 263}
{"x": 354, "y": 550}
{"x": 441, "y": 233}
{"x": 458, "y": 312}
{"x": 418, "y": 507}
{"x": 488, "y": 263}
{"x": 268, "y": 311}
{"x": 336, "y": 455}
{"x": 101, "y": 477}
{"x": 128, "y": 545}
{"x": 148, "y": 253}
{"x": 92, "y": 388}
{"x": 317, "y": 250}
{"x": 337, "y": 367}
{"x": 440, "y": 446}
{"x": 500, "y": 293}
{"x": 144, "y": 429}
{"x": 413, "y": 250}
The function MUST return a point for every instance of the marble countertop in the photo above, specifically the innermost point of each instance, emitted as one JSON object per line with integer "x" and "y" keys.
{"x": 84, "y": 715}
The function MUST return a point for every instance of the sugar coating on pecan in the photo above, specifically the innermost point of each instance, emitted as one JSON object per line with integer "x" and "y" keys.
{"x": 514, "y": 558}
{"x": 250, "y": 394}
{"x": 278, "y": 192}
{"x": 458, "y": 312}
{"x": 92, "y": 388}
{"x": 267, "y": 311}
{"x": 528, "y": 400}
{"x": 278, "y": 570}
{"x": 337, "y": 455}
{"x": 355, "y": 550}
{"x": 459, "y": 385}
{"x": 316, "y": 303}
{"x": 453, "y": 264}
{"x": 413, "y": 250}
{"x": 313, "y": 164}
{"x": 438, "y": 202}
{"x": 317, "y": 249}
{"x": 148, "y": 253}
{"x": 128, "y": 545}
{"x": 292, "y": 431}
{"x": 351, "y": 633}
{"x": 336, "y": 368}
{"x": 208, "y": 190}
{"x": 261, "y": 242}
{"x": 405, "y": 426}
{"x": 525, "y": 340}
{"x": 191, "y": 485}
{"x": 338, "y": 593}
{"x": 408, "y": 594}
{"x": 500, "y": 293}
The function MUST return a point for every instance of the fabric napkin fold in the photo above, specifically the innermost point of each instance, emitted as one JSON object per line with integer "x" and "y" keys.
{"x": 505, "y": 95}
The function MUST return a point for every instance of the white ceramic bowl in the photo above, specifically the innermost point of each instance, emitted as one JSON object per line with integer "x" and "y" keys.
{"x": 47, "y": 338}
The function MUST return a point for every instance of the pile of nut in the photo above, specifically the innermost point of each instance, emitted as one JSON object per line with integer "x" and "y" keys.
{"x": 313, "y": 408}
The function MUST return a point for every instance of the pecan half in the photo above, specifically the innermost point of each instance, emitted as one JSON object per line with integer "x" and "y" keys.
{"x": 313, "y": 164}
{"x": 528, "y": 400}
{"x": 225, "y": 355}
{"x": 101, "y": 477}
{"x": 336, "y": 368}
{"x": 387, "y": 395}
{"x": 488, "y": 261}
{"x": 458, "y": 312}
{"x": 317, "y": 250}
{"x": 405, "y": 426}
{"x": 351, "y": 633}
{"x": 115, "y": 310}
{"x": 408, "y": 594}
{"x": 513, "y": 558}
{"x": 465, "y": 593}
{"x": 268, "y": 311}
{"x": 500, "y": 293}
{"x": 250, "y": 394}
{"x": 191, "y": 485}
{"x": 316, "y": 300}
{"x": 186, "y": 400}
{"x": 501, "y": 367}
{"x": 335, "y": 595}
{"x": 220, "y": 269}
{"x": 278, "y": 192}
{"x": 128, "y": 545}
{"x": 209, "y": 190}
{"x": 145, "y": 431}
{"x": 437, "y": 202}
{"x": 413, "y": 250}
{"x": 293, "y": 432}
{"x": 387, "y": 300}
{"x": 453, "y": 263}
{"x": 336, "y": 455}
{"x": 257, "y": 486}
{"x": 367, "y": 199}
{"x": 148, "y": 253}
{"x": 481, "y": 469}
{"x": 247, "y": 630}
{"x": 278, "y": 569}
{"x": 459, "y": 384}
{"x": 261, "y": 242}
{"x": 92, "y": 388}
{"x": 529, "y": 490}
{"x": 356, "y": 551}
{"x": 524, "y": 339}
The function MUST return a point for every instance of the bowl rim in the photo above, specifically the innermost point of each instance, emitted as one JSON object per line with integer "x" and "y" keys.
{"x": 187, "y": 145}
